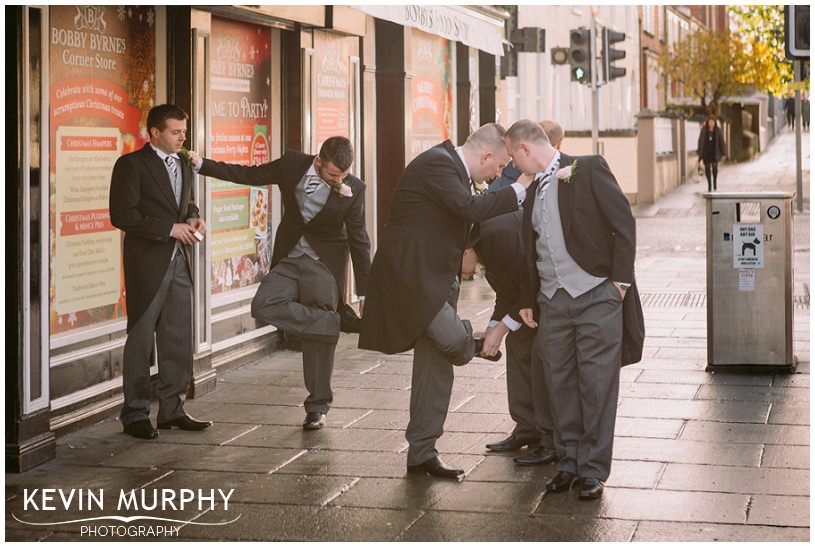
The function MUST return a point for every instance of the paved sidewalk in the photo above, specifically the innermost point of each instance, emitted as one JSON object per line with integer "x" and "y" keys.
{"x": 698, "y": 456}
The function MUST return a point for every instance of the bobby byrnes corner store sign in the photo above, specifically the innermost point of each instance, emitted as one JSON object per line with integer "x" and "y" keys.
{"x": 450, "y": 22}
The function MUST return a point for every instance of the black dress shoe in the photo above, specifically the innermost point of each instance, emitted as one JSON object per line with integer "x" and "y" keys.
{"x": 512, "y": 443}
{"x": 186, "y": 423}
{"x": 590, "y": 488}
{"x": 437, "y": 468}
{"x": 540, "y": 456}
{"x": 314, "y": 420}
{"x": 141, "y": 429}
{"x": 561, "y": 483}
{"x": 479, "y": 345}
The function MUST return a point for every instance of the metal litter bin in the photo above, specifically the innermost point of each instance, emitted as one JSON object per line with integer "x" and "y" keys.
{"x": 749, "y": 282}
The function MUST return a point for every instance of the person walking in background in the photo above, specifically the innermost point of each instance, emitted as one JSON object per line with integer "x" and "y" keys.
{"x": 710, "y": 149}
{"x": 580, "y": 239}
{"x": 151, "y": 201}
{"x": 789, "y": 110}
{"x": 323, "y": 220}
{"x": 414, "y": 285}
{"x": 805, "y": 112}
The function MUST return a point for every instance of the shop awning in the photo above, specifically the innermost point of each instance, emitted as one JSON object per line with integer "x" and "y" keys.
{"x": 452, "y": 22}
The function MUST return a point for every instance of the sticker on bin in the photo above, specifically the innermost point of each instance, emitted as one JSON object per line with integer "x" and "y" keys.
{"x": 748, "y": 246}
{"x": 747, "y": 280}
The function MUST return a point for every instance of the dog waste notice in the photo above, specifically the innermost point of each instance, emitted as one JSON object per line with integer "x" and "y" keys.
{"x": 748, "y": 246}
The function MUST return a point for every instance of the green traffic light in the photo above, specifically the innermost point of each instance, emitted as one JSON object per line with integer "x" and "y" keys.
{"x": 579, "y": 73}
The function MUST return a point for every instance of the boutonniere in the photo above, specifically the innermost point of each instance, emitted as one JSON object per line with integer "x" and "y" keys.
{"x": 185, "y": 155}
{"x": 343, "y": 190}
{"x": 567, "y": 172}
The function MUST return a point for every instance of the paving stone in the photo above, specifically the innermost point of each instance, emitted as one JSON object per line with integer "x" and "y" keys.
{"x": 260, "y": 377}
{"x": 702, "y": 377}
{"x": 410, "y": 492}
{"x": 792, "y": 414}
{"x": 734, "y": 393}
{"x": 328, "y": 438}
{"x": 456, "y": 421}
{"x": 492, "y": 497}
{"x": 481, "y": 385}
{"x": 455, "y": 526}
{"x": 640, "y": 390}
{"x": 382, "y": 400}
{"x": 677, "y": 531}
{"x": 792, "y": 380}
{"x": 735, "y": 480}
{"x": 262, "y": 488}
{"x": 682, "y": 352}
{"x": 668, "y": 341}
{"x": 488, "y": 403}
{"x": 268, "y": 414}
{"x": 214, "y": 458}
{"x": 217, "y": 434}
{"x": 478, "y": 368}
{"x": 793, "y": 457}
{"x": 255, "y": 394}
{"x": 746, "y": 433}
{"x": 657, "y": 363}
{"x": 637, "y": 504}
{"x": 780, "y": 510}
{"x": 398, "y": 382}
{"x": 644, "y": 427}
{"x": 60, "y": 474}
{"x": 735, "y": 411}
{"x": 300, "y": 523}
{"x": 456, "y": 442}
{"x": 680, "y": 451}
{"x": 364, "y": 464}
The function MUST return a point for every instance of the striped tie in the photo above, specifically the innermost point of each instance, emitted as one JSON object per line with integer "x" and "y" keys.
{"x": 312, "y": 184}
{"x": 173, "y": 167}
{"x": 544, "y": 179}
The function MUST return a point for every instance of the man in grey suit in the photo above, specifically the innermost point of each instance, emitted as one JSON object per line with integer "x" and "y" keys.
{"x": 580, "y": 239}
{"x": 151, "y": 202}
{"x": 414, "y": 286}
{"x": 323, "y": 221}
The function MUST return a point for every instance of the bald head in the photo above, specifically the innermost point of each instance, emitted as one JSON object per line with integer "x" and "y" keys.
{"x": 554, "y": 131}
{"x": 485, "y": 152}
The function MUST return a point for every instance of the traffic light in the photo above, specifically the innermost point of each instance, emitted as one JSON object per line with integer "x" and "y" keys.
{"x": 610, "y": 71}
{"x": 580, "y": 55}
{"x": 796, "y": 32}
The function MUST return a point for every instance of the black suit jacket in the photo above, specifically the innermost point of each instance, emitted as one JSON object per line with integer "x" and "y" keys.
{"x": 421, "y": 247}
{"x": 143, "y": 206}
{"x": 497, "y": 242}
{"x": 335, "y": 230}
{"x": 600, "y": 234}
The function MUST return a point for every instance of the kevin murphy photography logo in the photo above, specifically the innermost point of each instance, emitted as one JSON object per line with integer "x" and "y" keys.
{"x": 142, "y": 512}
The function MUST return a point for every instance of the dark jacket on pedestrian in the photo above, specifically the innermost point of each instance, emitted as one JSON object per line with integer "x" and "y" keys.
{"x": 600, "y": 235}
{"x": 710, "y": 146}
{"x": 421, "y": 248}
{"x": 332, "y": 233}
{"x": 143, "y": 206}
{"x": 509, "y": 174}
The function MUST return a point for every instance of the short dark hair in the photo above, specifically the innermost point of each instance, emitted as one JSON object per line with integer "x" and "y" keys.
{"x": 526, "y": 131}
{"x": 339, "y": 151}
{"x": 158, "y": 116}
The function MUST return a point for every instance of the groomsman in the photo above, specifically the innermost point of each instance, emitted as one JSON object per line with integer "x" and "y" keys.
{"x": 498, "y": 244}
{"x": 414, "y": 283}
{"x": 151, "y": 201}
{"x": 323, "y": 221}
{"x": 580, "y": 239}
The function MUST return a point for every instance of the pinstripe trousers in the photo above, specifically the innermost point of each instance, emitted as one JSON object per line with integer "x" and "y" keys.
{"x": 581, "y": 340}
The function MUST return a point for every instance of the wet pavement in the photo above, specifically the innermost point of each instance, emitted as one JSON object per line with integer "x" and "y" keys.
{"x": 697, "y": 456}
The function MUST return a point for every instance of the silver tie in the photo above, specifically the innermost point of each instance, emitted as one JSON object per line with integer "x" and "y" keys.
{"x": 312, "y": 184}
{"x": 170, "y": 161}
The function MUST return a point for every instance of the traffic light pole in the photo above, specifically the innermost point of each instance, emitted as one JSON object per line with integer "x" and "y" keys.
{"x": 799, "y": 179}
{"x": 595, "y": 95}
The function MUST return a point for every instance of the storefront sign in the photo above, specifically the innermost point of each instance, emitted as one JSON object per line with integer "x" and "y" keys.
{"x": 431, "y": 92}
{"x": 241, "y": 124}
{"x": 102, "y": 84}
{"x": 451, "y": 22}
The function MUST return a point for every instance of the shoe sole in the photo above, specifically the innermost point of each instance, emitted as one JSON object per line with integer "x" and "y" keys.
{"x": 312, "y": 427}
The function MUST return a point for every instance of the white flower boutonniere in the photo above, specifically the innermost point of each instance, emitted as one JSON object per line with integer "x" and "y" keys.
{"x": 343, "y": 189}
{"x": 185, "y": 155}
{"x": 567, "y": 172}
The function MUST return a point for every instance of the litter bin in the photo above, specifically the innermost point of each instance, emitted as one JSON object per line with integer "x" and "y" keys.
{"x": 749, "y": 282}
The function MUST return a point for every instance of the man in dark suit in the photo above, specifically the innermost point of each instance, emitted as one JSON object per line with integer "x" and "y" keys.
{"x": 497, "y": 242}
{"x": 414, "y": 284}
{"x": 580, "y": 239}
{"x": 323, "y": 218}
{"x": 151, "y": 201}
